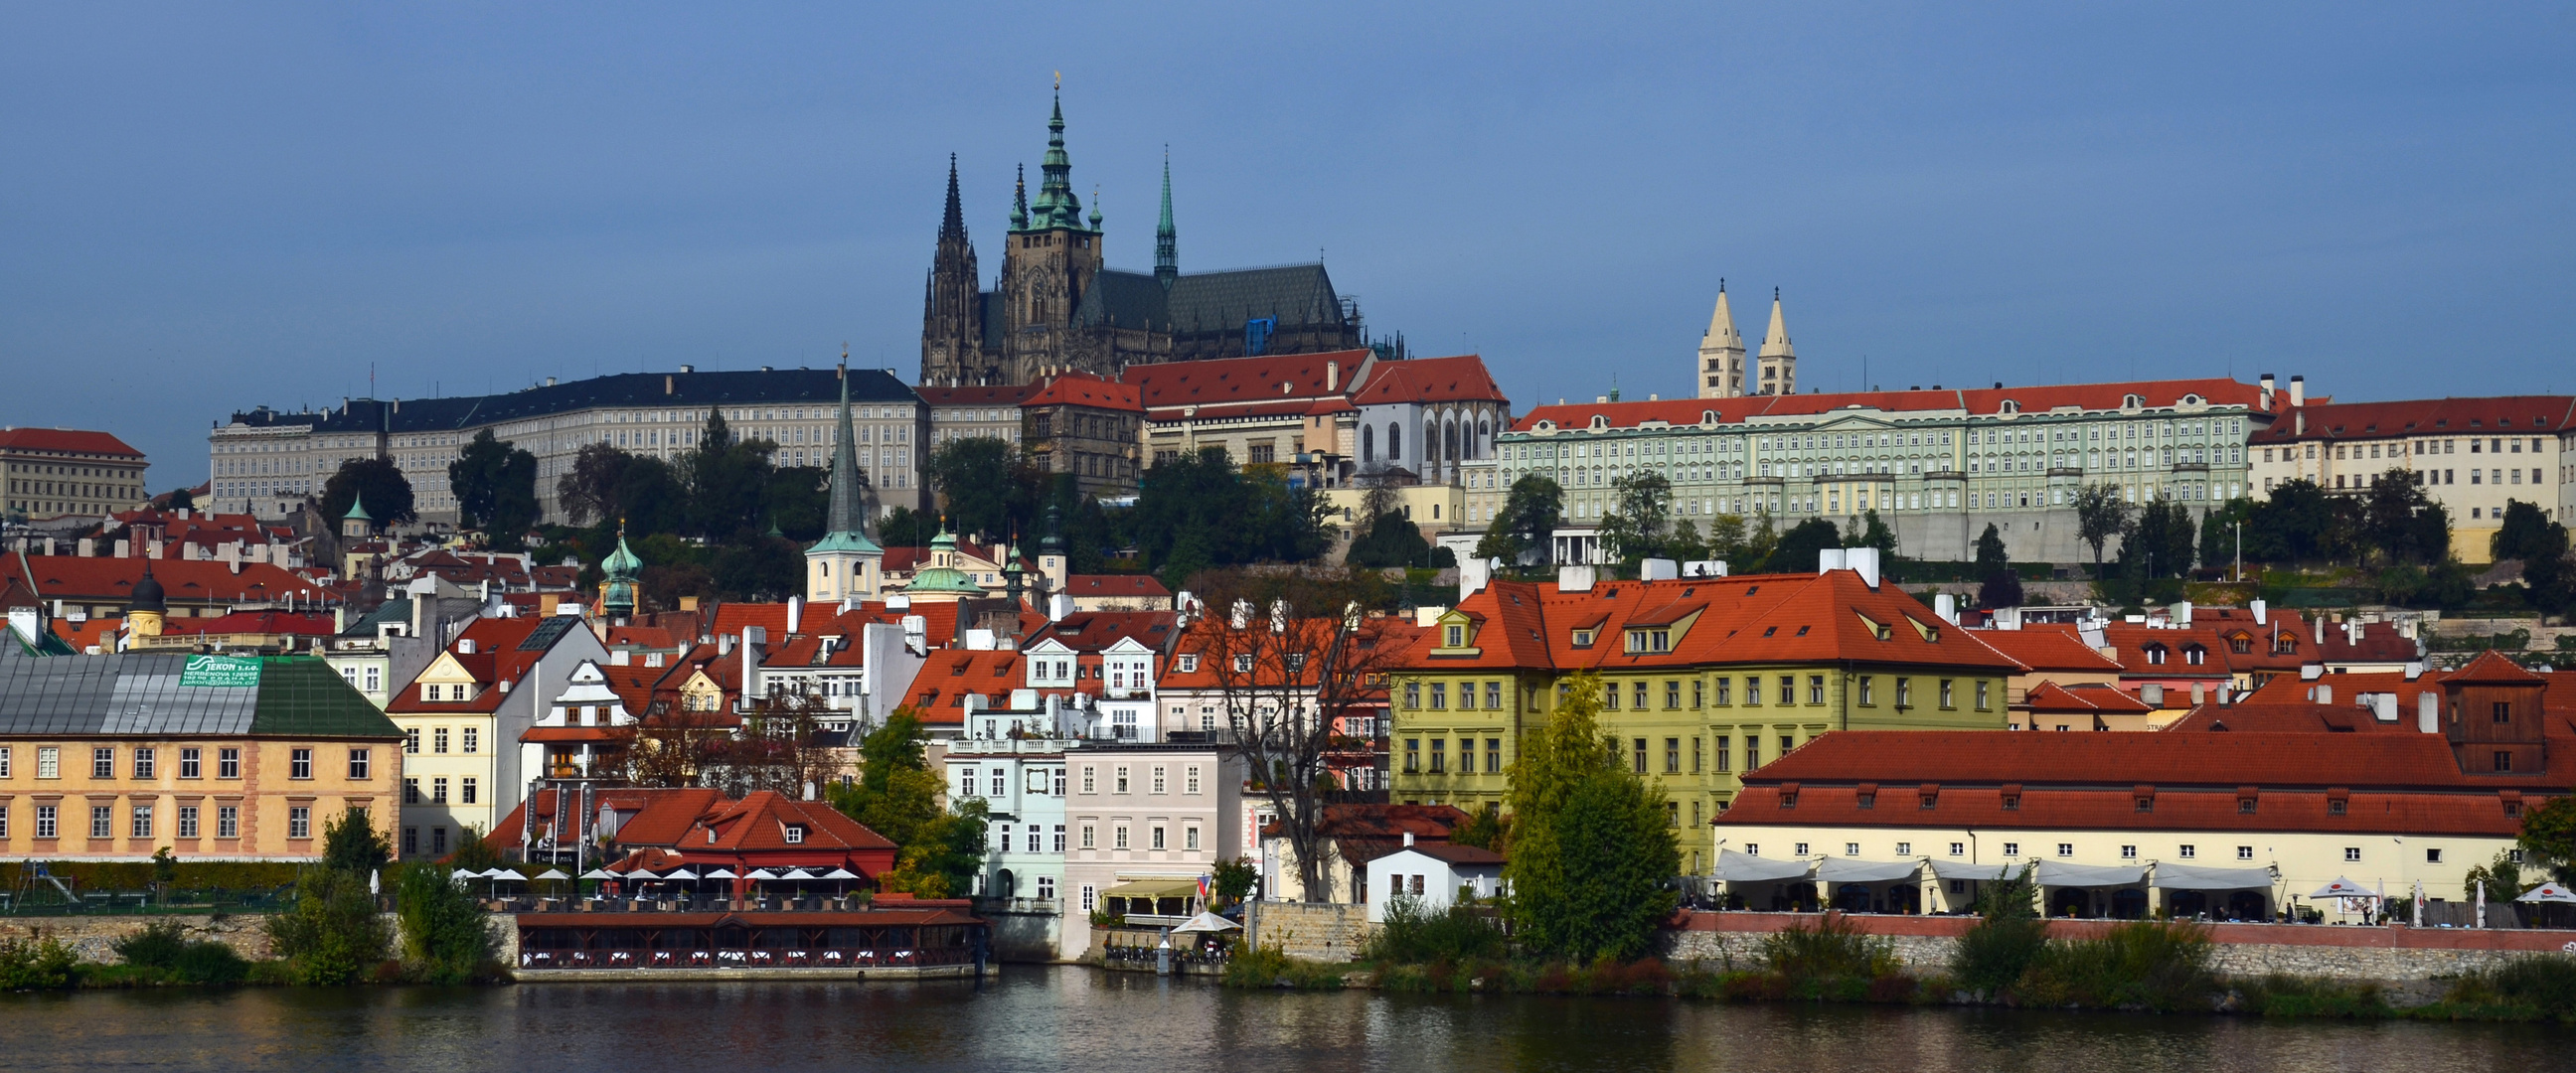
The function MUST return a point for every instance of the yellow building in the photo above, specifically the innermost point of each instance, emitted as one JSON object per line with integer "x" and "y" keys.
{"x": 1702, "y": 678}
{"x": 112, "y": 757}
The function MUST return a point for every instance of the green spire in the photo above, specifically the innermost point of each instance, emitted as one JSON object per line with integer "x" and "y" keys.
{"x": 623, "y": 568}
{"x": 845, "y": 519}
{"x": 1057, "y": 207}
{"x": 1020, "y": 200}
{"x": 1167, "y": 254}
{"x": 357, "y": 510}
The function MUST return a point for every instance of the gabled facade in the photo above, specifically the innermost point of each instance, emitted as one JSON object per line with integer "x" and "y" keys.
{"x": 1701, "y": 679}
{"x": 464, "y": 715}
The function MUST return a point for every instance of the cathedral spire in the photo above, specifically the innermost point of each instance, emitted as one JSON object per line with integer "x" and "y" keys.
{"x": 1721, "y": 352}
{"x": 1057, "y": 206}
{"x": 952, "y": 225}
{"x": 847, "y": 514}
{"x": 1020, "y": 200}
{"x": 1167, "y": 254}
{"x": 1778, "y": 360}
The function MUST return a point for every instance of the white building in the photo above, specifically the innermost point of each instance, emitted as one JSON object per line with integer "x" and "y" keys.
{"x": 1022, "y": 782}
{"x": 1432, "y": 873}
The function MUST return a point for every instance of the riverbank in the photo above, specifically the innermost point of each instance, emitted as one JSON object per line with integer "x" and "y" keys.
{"x": 1913, "y": 961}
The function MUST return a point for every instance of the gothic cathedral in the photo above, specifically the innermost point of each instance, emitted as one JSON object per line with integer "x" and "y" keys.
{"x": 1056, "y": 306}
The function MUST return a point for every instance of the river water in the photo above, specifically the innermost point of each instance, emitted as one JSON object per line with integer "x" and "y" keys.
{"x": 1080, "y": 1019}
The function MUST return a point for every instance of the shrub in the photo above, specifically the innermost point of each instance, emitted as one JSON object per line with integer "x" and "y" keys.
{"x": 2281, "y": 995}
{"x": 1834, "y": 948}
{"x": 2004, "y": 942}
{"x": 38, "y": 964}
{"x": 2540, "y": 986}
{"x": 1412, "y": 934}
{"x": 444, "y": 937}
{"x": 333, "y": 936}
{"x": 1268, "y": 966}
{"x": 2141, "y": 965}
{"x": 165, "y": 950}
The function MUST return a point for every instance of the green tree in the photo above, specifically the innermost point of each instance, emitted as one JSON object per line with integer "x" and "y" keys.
{"x": 1726, "y": 539}
{"x": 351, "y": 844}
{"x": 1199, "y": 511}
{"x": 1234, "y": 878}
{"x": 1875, "y": 534}
{"x": 588, "y": 491}
{"x": 1525, "y": 527}
{"x": 1393, "y": 540}
{"x": 1796, "y": 551}
{"x": 387, "y": 491}
{"x": 796, "y": 501}
{"x": 444, "y": 937}
{"x": 182, "y": 499}
{"x": 651, "y": 497}
{"x": 495, "y": 484}
{"x": 726, "y": 477}
{"x": 937, "y": 852}
{"x": 2523, "y": 533}
{"x": 1685, "y": 543}
{"x": 2218, "y": 530}
{"x": 1998, "y": 584}
{"x": 2402, "y": 523}
{"x": 333, "y": 935}
{"x": 759, "y": 568}
{"x": 2100, "y": 514}
{"x": 2548, "y": 837}
{"x": 902, "y": 527}
{"x": 2297, "y": 523}
{"x": 1634, "y": 529}
{"x": 2163, "y": 538}
{"x": 1592, "y": 846}
{"x": 988, "y": 486}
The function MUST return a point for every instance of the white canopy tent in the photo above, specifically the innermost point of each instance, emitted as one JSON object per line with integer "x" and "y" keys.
{"x": 1207, "y": 922}
{"x": 1733, "y": 867}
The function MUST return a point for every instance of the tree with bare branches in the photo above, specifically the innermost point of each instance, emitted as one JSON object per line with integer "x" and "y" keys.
{"x": 1292, "y": 655}
{"x": 777, "y": 747}
{"x": 672, "y": 745}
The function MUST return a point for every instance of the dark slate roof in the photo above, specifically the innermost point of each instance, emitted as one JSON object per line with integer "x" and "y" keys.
{"x": 1296, "y": 294}
{"x": 992, "y": 321}
{"x": 140, "y": 694}
{"x": 397, "y": 610}
{"x": 1205, "y": 301}
{"x": 703, "y": 388}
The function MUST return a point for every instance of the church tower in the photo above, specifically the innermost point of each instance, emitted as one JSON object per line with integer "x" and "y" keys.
{"x": 1167, "y": 251}
{"x": 1779, "y": 362}
{"x": 952, "y": 321}
{"x": 845, "y": 564}
{"x": 1048, "y": 263}
{"x": 1721, "y": 353}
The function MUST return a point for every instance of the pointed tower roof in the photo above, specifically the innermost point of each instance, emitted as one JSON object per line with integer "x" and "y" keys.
{"x": 358, "y": 509}
{"x": 845, "y": 519}
{"x": 622, "y": 564}
{"x": 1775, "y": 343}
{"x": 147, "y": 594}
{"x": 942, "y": 577}
{"x": 952, "y": 224}
{"x": 1167, "y": 254}
{"x": 1721, "y": 326}
{"x": 1057, "y": 207}
{"x": 1020, "y": 199}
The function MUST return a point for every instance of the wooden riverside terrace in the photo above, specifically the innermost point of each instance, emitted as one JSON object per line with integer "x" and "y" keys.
{"x": 903, "y": 943}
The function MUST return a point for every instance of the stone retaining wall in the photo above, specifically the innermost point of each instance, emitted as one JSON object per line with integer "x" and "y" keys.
{"x": 1312, "y": 932}
{"x": 1925, "y": 944}
{"x": 93, "y": 938}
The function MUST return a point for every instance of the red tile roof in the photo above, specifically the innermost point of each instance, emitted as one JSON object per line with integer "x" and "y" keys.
{"x": 249, "y": 622}
{"x": 759, "y": 822}
{"x": 2168, "y": 758}
{"x": 1092, "y": 631}
{"x": 2083, "y": 698}
{"x": 65, "y": 440}
{"x": 953, "y": 674}
{"x": 111, "y": 580}
{"x": 2492, "y": 668}
{"x": 1974, "y": 402}
{"x": 1109, "y": 586}
{"x": 2049, "y": 651}
{"x": 1260, "y": 380}
{"x": 1750, "y": 618}
{"x": 978, "y": 395}
{"x": 1459, "y": 379}
{"x": 2508, "y": 415}
{"x": 1082, "y": 389}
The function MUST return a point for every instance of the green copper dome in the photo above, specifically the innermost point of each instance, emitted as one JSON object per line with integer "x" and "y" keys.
{"x": 942, "y": 577}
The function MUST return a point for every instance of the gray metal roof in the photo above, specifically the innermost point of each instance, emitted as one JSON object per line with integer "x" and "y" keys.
{"x": 1299, "y": 295}
{"x": 125, "y": 693}
{"x": 139, "y": 694}
{"x": 722, "y": 387}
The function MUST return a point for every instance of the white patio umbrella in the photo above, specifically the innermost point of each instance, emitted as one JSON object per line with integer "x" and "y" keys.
{"x": 599, "y": 873}
{"x": 682, "y": 873}
{"x": 552, "y": 873}
{"x": 840, "y": 873}
{"x": 723, "y": 873}
{"x": 1208, "y": 922}
{"x": 2343, "y": 888}
{"x": 761, "y": 873}
{"x": 2548, "y": 892}
{"x": 797, "y": 873}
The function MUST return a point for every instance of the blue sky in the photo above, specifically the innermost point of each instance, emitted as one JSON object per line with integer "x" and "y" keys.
{"x": 209, "y": 207}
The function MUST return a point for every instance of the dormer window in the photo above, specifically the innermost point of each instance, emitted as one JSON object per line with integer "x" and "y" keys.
{"x": 2155, "y": 655}
{"x": 1189, "y": 662}
{"x": 1650, "y": 640}
{"x": 1457, "y": 636}
{"x": 795, "y": 834}
{"x": 1243, "y": 663}
{"x": 2195, "y": 655}
{"x": 1583, "y": 638}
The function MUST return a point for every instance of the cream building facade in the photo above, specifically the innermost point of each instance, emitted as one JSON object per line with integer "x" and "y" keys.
{"x": 2473, "y": 456}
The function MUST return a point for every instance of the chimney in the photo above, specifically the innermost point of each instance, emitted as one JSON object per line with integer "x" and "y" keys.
{"x": 2383, "y": 706}
{"x": 2298, "y": 422}
{"x": 1408, "y": 839}
{"x": 1574, "y": 579}
{"x": 666, "y": 384}
{"x": 2320, "y": 622}
{"x": 124, "y": 548}
{"x": 2182, "y": 614}
{"x": 546, "y": 605}
{"x": 2259, "y": 609}
{"x": 2199, "y": 694}
{"x": 1059, "y": 604}
{"x": 2325, "y": 692}
{"x": 2414, "y": 669}
{"x": 2267, "y": 391}
{"x": 1863, "y": 561}
{"x": 795, "y": 615}
{"x": 1332, "y": 376}
{"x": 2153, "y": 694}
{"x": 88, "y": 547}
{"x": 2428, "y": 713}
{"x": 754, "y": 638}
{"x": 1658, "y": 570}
{"x": 2299, "y": 390}
{"x": 1829, "y": 560}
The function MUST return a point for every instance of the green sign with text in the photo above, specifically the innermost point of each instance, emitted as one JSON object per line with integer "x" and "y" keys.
{"x": 221, "y": 672}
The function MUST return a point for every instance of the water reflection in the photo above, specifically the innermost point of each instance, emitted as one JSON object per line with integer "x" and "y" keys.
{"x": 1048, "y": 1019}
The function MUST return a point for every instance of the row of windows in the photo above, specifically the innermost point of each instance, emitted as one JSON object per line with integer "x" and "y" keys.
{"x": 1121, "y": 779}
{"x": 468, "y": 790}
{"x": 1642, "y": 694}
{"x": 1037, "y": 840}
{"x": 1040, "y": 779}
{"x": 143, "y": 762}
{"x": 1157, "y": 837}
{"x": 470, "y": 738}
{"x": 1719, "y": 749}
{"x": 142, "y": 820}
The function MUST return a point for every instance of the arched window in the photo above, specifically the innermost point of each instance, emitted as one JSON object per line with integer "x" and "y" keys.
{"x": 1394, "y": 442}
{"x": 1368, "y": 443}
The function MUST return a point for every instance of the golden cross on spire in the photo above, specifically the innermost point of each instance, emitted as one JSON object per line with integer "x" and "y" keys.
{"x": 1059, "y": 80}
